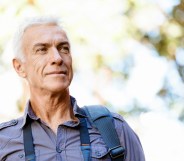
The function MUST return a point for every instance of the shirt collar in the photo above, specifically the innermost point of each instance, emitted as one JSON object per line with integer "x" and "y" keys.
{"x": 29, "y": 114}
{"x": 76, "y": 109}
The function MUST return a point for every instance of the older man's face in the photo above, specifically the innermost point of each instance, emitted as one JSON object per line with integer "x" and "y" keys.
{"x": 48, "y": 61}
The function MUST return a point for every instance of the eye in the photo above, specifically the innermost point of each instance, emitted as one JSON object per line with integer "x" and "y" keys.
{"x": 64, "y": 49}
{"x": 41, "y": 50}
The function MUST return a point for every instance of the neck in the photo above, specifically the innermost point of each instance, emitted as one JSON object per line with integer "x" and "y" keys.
{"x": 53, "y": 109}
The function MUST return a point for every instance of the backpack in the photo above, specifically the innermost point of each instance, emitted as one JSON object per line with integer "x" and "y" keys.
{"x": 101, "y": 118}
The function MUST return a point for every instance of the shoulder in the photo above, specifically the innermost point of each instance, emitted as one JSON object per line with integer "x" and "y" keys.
{"x": 10, "y": 130}
{"x": 10, "y": 125}
{"x": 121, "y": 124}
{"x": 98, "y": 111}
{"x": 117, "y": 116}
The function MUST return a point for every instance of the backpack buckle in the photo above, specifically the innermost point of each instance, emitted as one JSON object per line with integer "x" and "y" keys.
{"x": 117, "y": 152}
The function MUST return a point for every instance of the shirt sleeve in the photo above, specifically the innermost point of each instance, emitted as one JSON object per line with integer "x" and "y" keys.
{"x": 129, "y": 139}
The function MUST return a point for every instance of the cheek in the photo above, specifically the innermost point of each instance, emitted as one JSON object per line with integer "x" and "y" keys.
{"x": 36, "y": 65}
{"x": 70, "y": 66}
{"x": 67, "y": 60}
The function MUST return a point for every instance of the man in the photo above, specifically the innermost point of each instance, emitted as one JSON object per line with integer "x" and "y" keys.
{"x": 43, "y": 58}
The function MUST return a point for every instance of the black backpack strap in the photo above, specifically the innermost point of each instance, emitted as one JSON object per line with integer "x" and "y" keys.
{"x": 28, "y": 143}
{"x": 102, "y": 119}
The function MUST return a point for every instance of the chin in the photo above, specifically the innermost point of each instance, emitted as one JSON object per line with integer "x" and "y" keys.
{"x": 59, "y": 89}
{"x": 57, "y": 86}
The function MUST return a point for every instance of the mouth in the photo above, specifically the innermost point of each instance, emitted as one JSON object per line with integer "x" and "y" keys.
{"x": 57, "y": 73}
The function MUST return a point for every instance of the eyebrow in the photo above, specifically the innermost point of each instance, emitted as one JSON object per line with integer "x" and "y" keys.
{"x": 47, "y": 44}
{"x": 64, "y": 43}
{"x": 39, "y": 44}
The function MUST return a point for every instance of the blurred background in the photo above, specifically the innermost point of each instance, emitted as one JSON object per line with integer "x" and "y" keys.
{"x": 128, "y": 55}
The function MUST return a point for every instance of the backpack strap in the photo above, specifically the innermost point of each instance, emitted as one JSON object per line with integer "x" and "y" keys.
{"x": 84, "y": 138}
{"x": 103, "y": 120}
{"x": 29, "y": 146}
{"x": 28, "y": 143}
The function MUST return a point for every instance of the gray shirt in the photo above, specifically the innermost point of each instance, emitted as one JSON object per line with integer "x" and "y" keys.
{"x": 65, "y": 146}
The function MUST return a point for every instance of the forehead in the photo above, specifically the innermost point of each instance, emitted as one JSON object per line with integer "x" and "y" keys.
{"x": 44, "y": 33}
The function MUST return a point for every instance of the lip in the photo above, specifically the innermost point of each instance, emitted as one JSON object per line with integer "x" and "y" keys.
{"x": 56, "y": 72}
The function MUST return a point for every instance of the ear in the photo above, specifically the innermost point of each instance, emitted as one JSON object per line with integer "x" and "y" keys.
{"x": 19, "y": 67}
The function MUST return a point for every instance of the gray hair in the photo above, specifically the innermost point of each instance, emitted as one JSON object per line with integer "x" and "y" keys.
{"x": 29, "y": 22}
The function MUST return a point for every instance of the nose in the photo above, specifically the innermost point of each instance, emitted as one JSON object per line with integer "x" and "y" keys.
{"x": 56, "y": 57}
